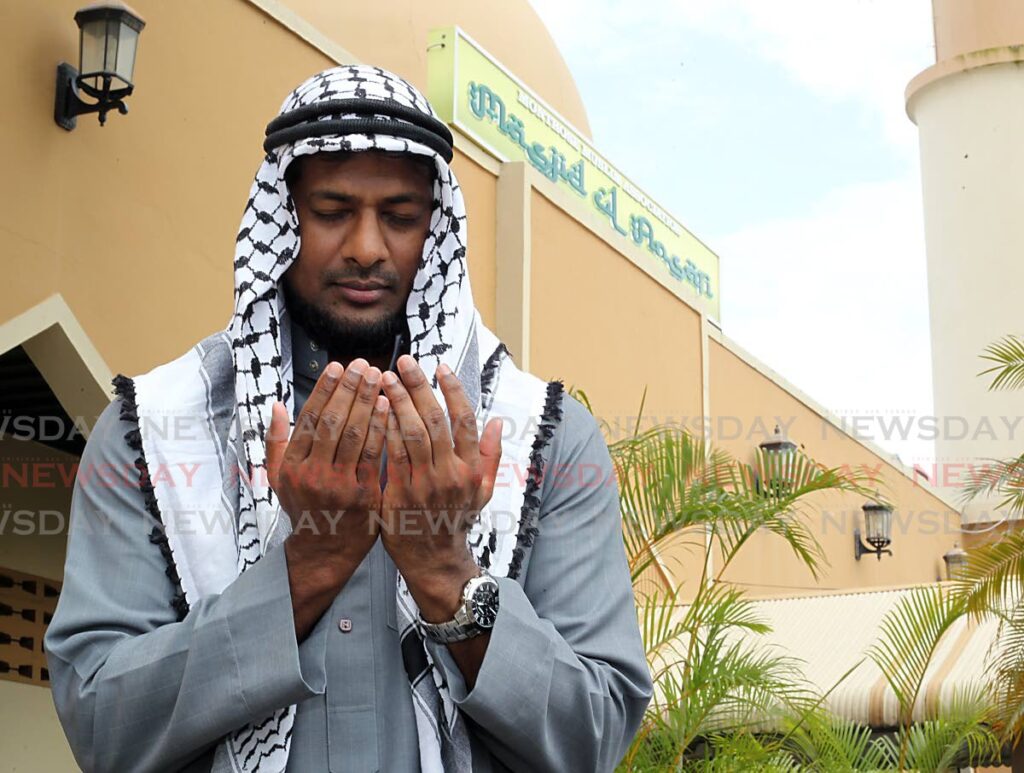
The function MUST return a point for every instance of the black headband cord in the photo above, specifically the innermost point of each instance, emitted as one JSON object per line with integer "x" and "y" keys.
{"x": 400, "y": 121}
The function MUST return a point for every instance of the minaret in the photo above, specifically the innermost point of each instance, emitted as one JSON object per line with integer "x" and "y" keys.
{"x": 969, "y": 110}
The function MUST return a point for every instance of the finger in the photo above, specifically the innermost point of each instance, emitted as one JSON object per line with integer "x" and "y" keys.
{"x": 413, "y": 433}
{"x": 398, "y": 455}
{"x": 369, "y": 461}
{"x": 276, "y": 441}
{"x": 461, "y": 415}
{"x": 433, "y": 418}
{"x": 490, "y": 458}
{"x": 353, "y": 433}
{"x": 309, "y": 416}
{"x": 334, "y": 415}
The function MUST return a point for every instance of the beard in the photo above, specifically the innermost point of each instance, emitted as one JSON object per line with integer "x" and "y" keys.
{"x": 344, "y": 338}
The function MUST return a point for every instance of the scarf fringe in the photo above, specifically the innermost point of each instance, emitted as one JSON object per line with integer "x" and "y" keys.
{"x": 124, "y": 387}
{"x": 528, "y": 530}
{"x": 488, "y": 373}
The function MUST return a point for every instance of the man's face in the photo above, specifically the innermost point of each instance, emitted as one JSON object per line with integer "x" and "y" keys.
{"x": 363, "y": 219}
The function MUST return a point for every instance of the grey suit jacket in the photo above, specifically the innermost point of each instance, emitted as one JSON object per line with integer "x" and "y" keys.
{"x": 563, "y": 686}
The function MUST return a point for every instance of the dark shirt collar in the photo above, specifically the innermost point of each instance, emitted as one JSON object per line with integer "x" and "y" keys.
{"x": 308, "y": 358}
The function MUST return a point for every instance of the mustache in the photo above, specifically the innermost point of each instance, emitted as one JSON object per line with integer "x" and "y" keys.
{"x": 380, "y": 277}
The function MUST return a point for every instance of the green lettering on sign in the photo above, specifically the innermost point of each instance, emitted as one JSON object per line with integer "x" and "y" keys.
{"x": 475, "y": 94}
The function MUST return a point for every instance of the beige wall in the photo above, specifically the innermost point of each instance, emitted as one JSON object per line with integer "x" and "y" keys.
{"x": 134, "y": 223}
{"x": 393, "y": 34}
{"x": 923, "y": 526}
{"x": 600, "y": 323}
{"x": 479, "y": 188}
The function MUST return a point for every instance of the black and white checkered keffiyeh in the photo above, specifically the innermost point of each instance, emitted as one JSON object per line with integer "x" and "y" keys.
{"x": 444, "y": 326}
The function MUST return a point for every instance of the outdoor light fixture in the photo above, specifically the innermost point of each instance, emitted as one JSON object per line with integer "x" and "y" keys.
{"x": 775, "y": 464}
{"x": 778, "y": 443}
{"x": 877, "y": 530}
{"x": 108, "y": 38}
{"x": 956, "y": 560}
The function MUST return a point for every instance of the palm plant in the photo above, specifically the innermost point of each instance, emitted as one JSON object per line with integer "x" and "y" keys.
{"x": 723, "y": 700}
{"x": 991, "y": 582}
{"x": 963, "y": 730}
{"x": 714, "y": 686}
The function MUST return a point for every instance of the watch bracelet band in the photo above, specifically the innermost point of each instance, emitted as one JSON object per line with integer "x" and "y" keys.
{"x": 450, "y": 631}
{"x": 461, "y": 627}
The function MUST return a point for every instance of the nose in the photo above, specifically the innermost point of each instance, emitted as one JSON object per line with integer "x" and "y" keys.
{"x": 365, "y": 241}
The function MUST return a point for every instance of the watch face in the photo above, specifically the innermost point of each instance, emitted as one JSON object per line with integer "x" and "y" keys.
{"x": 483, "y": 604}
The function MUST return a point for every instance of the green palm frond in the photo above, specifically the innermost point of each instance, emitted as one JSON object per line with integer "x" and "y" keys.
{"x": 1005, "y": 671}
{"x": 660, "y": 625}
{"x": 994, "y": 572}
{"x": 729, "y": 687}
{"x": 731, "y": 752}
{"x": 721, "y": 691}
{"x": 826, "y": 742}
{"x": 961, "y": 737}
{"x": 910, "y": 633}
{"x": 710, "y": 679}
{"x": 1008, "y": 356}
{"x": 667, "y": 487}
{"x": 773, "y": 493}
{"x": 997, "y": 476}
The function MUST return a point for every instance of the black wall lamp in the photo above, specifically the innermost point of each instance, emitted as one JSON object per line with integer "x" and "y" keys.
{"x": 956, "y": 561}
{"x": 775, "y": 463}
{"x": 108, "y": 39}
{"x": 877, "y": 530}
{"x": 778, "y": 443}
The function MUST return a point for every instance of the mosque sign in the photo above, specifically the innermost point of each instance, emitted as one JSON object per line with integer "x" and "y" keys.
{"x": 474, "y": 93}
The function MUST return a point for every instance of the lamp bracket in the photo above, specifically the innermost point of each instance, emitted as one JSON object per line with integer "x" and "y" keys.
{"x": 68, "y": 105}
{"x": 860, "y": 549}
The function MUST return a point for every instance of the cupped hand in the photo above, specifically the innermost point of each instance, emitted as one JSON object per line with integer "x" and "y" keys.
{"x": 327, "y": 475}
{"x": 440, "y": 475}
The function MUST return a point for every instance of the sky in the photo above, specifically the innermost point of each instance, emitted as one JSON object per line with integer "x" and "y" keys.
{"x": 776, "y": 132}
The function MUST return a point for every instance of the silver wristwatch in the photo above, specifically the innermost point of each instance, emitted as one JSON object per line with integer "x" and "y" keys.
{"x": 477, "y": 614}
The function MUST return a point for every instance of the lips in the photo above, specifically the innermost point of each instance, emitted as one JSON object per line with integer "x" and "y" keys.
{"x": 361, "y": 293}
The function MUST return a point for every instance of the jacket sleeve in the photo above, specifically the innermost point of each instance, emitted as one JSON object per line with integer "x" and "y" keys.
{"x": 134, "y": 688}
{"x": 564, "y": 682}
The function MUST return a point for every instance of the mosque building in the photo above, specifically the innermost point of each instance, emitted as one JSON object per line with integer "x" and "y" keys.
{"x": 119, "y": 239}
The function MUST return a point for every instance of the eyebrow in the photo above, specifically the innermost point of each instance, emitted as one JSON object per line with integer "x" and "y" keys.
{"x": 346, "y": 198}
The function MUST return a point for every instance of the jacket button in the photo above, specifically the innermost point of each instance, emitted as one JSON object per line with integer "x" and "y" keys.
{"x": 345, "y": 625}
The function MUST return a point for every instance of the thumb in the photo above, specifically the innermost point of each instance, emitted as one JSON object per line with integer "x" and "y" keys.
{"x": 277, "y": 441}
{"x": 490, "y": 457}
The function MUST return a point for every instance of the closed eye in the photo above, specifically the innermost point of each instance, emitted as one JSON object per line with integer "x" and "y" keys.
{"x": 334, "y": 215}
{"x": 403, "y": 220}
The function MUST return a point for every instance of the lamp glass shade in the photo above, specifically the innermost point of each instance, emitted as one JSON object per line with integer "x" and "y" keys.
{"x": 127, "y": 42}
{"x": 92, "y": 61}
{"x": 956, "y": 560}
{"x": 108, "y": 43}
{"x": 878, "y": 525}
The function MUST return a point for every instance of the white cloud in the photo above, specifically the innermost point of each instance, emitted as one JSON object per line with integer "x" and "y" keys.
{"x": 836, "y": 301}
{"x": 862, "y": 50}
{"x": 834, "y": 297}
